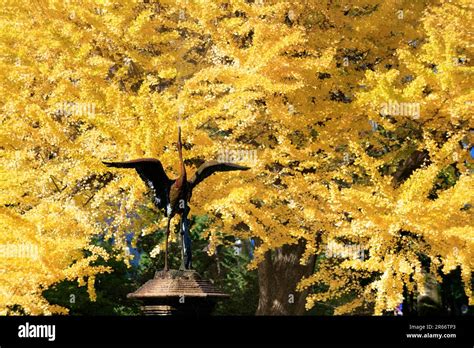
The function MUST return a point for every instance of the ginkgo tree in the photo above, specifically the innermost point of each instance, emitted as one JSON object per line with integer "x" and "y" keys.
{"x": 300, "y": 83}
{"x": 407, "y": 224}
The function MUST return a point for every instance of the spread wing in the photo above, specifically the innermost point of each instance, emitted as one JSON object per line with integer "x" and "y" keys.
{"x": 211, "y": 167}
{"x": 152, "y": 173}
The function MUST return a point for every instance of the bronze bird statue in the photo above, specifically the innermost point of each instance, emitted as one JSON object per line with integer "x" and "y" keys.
{"x": 172, "y": 196}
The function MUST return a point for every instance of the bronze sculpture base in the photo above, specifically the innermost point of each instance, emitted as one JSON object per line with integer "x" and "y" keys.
{"x": 178, "y": 293}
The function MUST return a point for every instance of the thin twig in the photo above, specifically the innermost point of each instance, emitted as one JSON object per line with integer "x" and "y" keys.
{"x": 89, "y": 199}
{"x": 54, "y": 182}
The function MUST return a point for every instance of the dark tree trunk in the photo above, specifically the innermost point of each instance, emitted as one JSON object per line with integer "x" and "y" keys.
{"x": 278, "y": 275}
{"x": 428, "y": 300}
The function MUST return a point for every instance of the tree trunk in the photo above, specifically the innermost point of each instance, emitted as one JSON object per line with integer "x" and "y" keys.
{"x": 278, "y": 275}
{"x": 428, "y": 300}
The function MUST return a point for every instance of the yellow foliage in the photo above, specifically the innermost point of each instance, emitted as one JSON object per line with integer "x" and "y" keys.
{"x": 295, "y": 81}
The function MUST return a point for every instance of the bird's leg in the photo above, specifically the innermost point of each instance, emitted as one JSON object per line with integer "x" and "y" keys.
{"x": 186, "y": 246}
{"x": 166, "y": 243}
{"x": 181, "y": 234}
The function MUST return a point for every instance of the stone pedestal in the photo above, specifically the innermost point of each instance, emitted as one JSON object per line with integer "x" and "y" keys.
{"x": 178, "y": 293}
